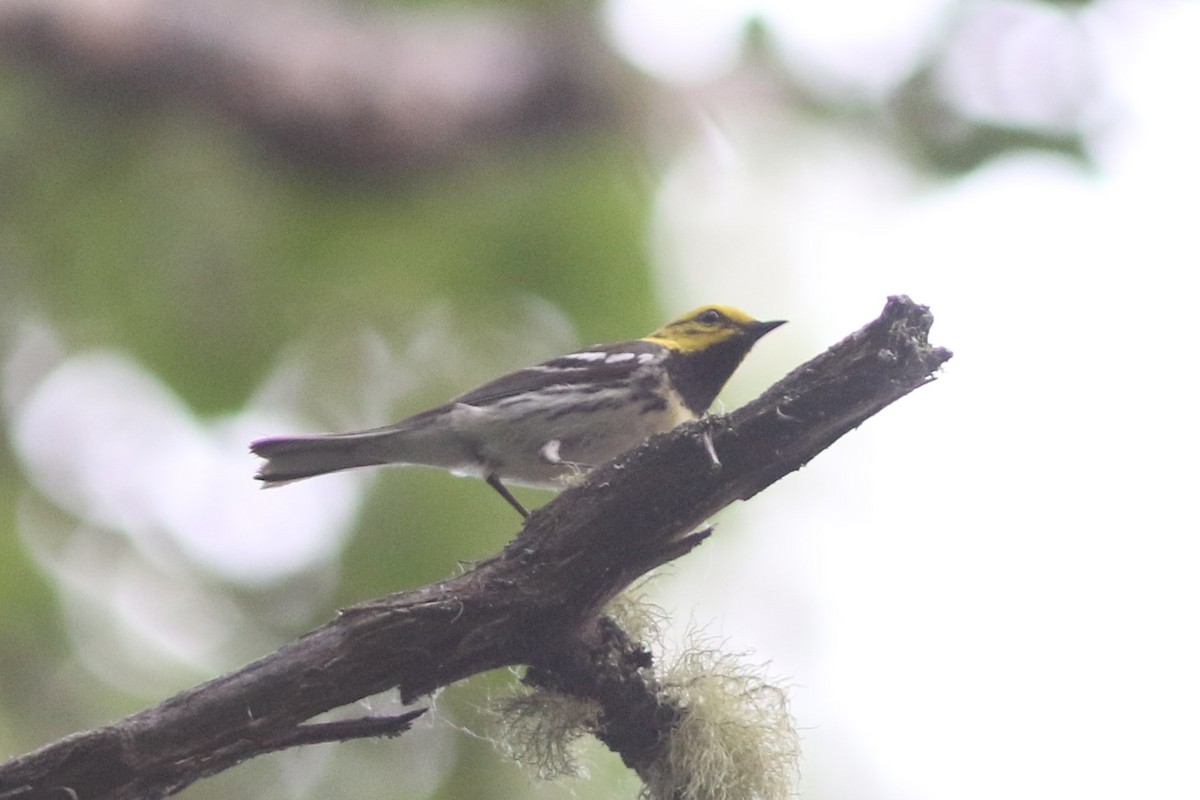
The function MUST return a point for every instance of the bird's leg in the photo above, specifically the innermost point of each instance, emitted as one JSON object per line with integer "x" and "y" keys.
{"x": 495, "y": 483}
{"x": 706, "y": 439}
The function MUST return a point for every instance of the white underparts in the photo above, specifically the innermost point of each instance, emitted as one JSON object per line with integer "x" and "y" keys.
{"x": 549, "y": 452}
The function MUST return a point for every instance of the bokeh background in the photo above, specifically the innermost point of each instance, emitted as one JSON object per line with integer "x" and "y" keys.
{"x": 220, "y": 220}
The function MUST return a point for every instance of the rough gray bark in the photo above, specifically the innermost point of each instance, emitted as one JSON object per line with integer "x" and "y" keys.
{"x": 537, "y": 602}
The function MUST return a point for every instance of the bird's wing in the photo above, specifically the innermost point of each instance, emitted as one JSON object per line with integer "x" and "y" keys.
{"x": 601, "y": 364}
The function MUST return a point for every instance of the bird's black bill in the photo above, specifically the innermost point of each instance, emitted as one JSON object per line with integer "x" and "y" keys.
{"x": 761, "y": 329}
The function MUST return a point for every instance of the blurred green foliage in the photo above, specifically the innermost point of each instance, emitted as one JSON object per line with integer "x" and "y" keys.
{"x": 163, "y": 232}
{"x": 167, "y": 234}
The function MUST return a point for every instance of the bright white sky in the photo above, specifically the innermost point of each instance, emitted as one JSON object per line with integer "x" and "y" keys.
{"x": 989, "y": 591}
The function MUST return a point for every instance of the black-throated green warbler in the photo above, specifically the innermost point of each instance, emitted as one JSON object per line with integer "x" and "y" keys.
{"x": 542, "y": 424}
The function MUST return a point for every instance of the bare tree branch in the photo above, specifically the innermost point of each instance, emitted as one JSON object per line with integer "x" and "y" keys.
{"x": 535, "y": 603}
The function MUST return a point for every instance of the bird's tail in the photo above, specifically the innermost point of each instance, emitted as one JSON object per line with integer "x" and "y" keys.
{"x": 290, "y": 458}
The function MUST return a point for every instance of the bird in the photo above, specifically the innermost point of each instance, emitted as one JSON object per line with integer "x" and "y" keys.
{"x": 542, "y": 425}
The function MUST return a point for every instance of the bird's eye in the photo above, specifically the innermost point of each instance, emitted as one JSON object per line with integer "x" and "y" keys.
{"x": 710, "y": 317}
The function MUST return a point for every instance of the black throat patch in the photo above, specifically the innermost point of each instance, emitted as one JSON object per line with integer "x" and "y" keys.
{"x": 699, "y": 376}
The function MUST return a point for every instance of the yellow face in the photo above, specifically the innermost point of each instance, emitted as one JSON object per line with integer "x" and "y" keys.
{"x": 702, "y": 328}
